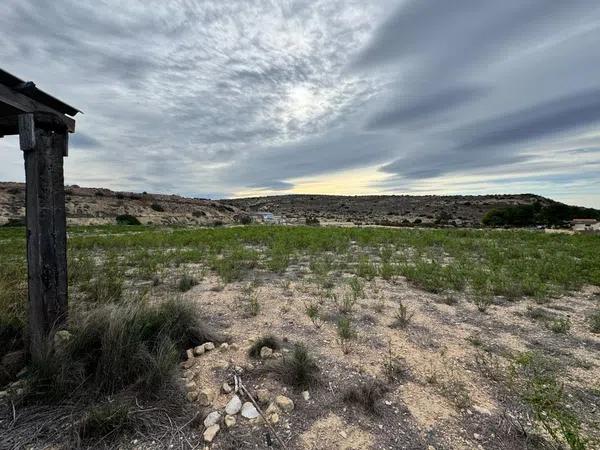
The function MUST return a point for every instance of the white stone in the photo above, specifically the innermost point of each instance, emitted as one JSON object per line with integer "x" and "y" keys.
{"x": 263, "y": 395}
{"x": 249, "y": 411}
{"x": 191, "y": 396}
{"x": 209, "y": 346}
{"x": 306, "y": 395}
{"x": 211, "y": 432}
{"x": 199, "y": 350}
{"x": 229, "y": 421}
{"x": 234, "y": 347}
{"x": 226, "y": 388}
{"x": 206, "y": 397}
{"x": 266, "y": 352}
{"x": 213, "y": 418}
{"x": 190, "y": 353}
{"x": 234, "y": 406}
{"x": 224, "y": 347}
{"x": 285, "y": 403}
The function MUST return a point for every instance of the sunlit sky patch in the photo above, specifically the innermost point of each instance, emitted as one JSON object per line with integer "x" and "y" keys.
{"x": 219, "y": 99}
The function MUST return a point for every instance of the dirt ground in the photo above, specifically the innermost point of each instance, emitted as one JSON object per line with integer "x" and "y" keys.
{"x": 452, "y": 393}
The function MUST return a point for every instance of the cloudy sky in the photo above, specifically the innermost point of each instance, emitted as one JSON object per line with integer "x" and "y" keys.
{"x": 229, "y": 98}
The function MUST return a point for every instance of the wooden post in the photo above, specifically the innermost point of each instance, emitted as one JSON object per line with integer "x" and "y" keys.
{"x": 44, "y": 142}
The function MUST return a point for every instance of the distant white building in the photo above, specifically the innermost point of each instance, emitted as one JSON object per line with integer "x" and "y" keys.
{"x": 266, "y": 217}
{"x": 585, "y": 225}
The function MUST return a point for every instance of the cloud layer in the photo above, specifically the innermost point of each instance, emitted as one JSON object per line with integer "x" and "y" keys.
{"x": 214, "y": 98}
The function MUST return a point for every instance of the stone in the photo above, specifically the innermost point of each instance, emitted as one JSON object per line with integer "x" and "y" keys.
{"x": 208, "y": 346}
{"x": 191, "y": 396}
{"x": 205, "y": 397}
{"x": 306, "y": 395}
{"x": 190, "y": 353}
{"x": 211, "y": 432}
{"x": 226, "y": 388}
{"x": 191, "y": 386}
{"x": 266, "y": 352}
{"x": 249, "y": 411}
{"x": 277, "y": 355}
{"x": 272, "y": 408}
{"x": 224, "y": 347}
{"x": 285, "y": 403}
{"x": 482, "y": 410}
{"x": 212, "y": 419}
{"x": 477, "y": 436}
{"x": 234, "y": 347}
{"x": 188, "y": 364}
{"x": 229, "y": 421}
{"x": 199, "y": 350}
{"x": 234, "y": 406}
{"x": 263, "y": 395}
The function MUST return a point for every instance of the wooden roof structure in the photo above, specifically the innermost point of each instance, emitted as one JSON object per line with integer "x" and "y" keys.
{"x": 43, "y": 124}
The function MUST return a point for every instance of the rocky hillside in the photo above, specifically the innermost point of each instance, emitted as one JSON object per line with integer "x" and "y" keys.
{"x": 461, "y": 210}
{"x": 91, "y": 206}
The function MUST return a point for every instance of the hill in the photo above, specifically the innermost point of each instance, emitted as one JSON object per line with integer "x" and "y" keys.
{"x": 95, "y": 206}
{"x": 462, "y": 210}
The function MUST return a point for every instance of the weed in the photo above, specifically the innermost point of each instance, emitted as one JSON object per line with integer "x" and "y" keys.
{"x": 560, "y": 325}
{"x": 356, "y": 287}
{"x": 366, "y": 395}
{"x": 346, "y": 303}
{"x": 594, "y": 321}
{"x": 298, "y": 369}
{"x": 346, "y": 333}
{"x": 394, "y": 366}
{"x": 537, "y": 384}
{"x": 186, "y": 282}
{"x": 265, "y": 341}
{"x": 312, "y": 311}
{"x": 402, "y": 317}
{"x": 105, "y": 419}
{"x": 253, "y": 305}
{"x": 365, "y": 268}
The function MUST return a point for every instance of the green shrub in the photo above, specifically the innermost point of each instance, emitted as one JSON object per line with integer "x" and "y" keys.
{"x": 594, "y": 320}
{"x": 299, "y": 369}
{"x": 186, "y": 282}
{"x": 560, "y": 325}
{"x": 127, "y": 219}
{"x": 402, "y": 317}
{"x": 157, "y": 207}
{"x": 346, "y": 333}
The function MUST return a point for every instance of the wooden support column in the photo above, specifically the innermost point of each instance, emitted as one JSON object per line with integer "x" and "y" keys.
{"x": 44, "y": 141}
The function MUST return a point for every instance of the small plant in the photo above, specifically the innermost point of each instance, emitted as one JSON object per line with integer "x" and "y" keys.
{"x": 394, "y": 367}
{"x": 345, "y": 333}
{"x": 253, "y": 305}
{"x": 105, "y": 419}
{"x": 366, "y": 395}
{"x": 402, "y": 317}
{"x": 312, "y": 311}
{"x": 482, "y": 301}
{"x": 186, "y": 282}
{"x": 379, "y": 305}
{"x": 356, "y": 287}
{"x": 449, "y": 299}
{"x": 157, "y": 207}
{"x": 594, "y": 321}
{"x": 265, "y": 341}
{"x": 365, "y": 268}
{"x": 299, "y": 369}
{"x": 312, "y": 220}
{"x": 346, "y": 303}
{"x": 560, "y": 325}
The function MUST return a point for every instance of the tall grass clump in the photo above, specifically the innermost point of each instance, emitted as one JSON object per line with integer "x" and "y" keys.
{"x": 116, "y": 347}
{"x": 298, "y": 369}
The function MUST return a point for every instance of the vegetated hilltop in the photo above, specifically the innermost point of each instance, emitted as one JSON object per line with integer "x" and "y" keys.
{"x": 94, "y": 206}
{"x": 400, "y": 210}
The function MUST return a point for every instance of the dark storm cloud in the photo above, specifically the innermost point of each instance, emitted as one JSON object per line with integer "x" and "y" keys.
{"x": 407, "y": 110}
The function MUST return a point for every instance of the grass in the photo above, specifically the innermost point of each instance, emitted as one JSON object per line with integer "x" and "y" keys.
{"x": 186, "y": 282}
{"x": 402, "y": 316}
{"x": 298, "y": 369}
{"x": 366, "y": 395}
{"x": 265, "y": 341}
{"x": 346, "y": 333}
{"x": 594, "y": 321}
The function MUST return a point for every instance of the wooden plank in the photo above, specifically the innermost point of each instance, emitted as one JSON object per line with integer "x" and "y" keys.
{"x": 28, "y": 105}
{"x": 26, "y": 132}
{"x": 46, "y": 237}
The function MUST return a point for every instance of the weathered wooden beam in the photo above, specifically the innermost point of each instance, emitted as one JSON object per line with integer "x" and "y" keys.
{"x": 26, "y": 132}
{"x": 25, "y": 104}
{"x": 46, "y": 229}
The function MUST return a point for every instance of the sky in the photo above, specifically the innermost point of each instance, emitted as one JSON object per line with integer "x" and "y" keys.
{"x": 214, "y": 98}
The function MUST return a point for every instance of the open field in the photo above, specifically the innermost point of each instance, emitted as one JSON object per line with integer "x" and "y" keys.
{"x": 453, "y": 339}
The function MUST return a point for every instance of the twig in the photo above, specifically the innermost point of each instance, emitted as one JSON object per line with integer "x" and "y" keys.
{"x": 243, "y": 388}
